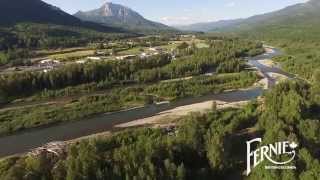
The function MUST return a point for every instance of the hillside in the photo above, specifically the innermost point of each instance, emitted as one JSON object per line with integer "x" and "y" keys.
{"x": 116, "y": 15}
{"x": 36, "y": 24}
{"x": 33, "y": 11}
{"x": 208, "y": 26}
{"x": 301, "y": 15}
{"x": 295, "y": 29}
{"x": 37, "y": 11}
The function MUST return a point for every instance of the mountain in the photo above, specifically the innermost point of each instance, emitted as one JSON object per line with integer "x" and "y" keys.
{"x": 208, "y": 26}
{"x": 120, "y": 16}
{"x": 303, "y": 14}
{"x": 294, "y": 29}
{"x": 36, "y": 11}
{"x": 36, "y": 24}
{"x": 297, "y": 16}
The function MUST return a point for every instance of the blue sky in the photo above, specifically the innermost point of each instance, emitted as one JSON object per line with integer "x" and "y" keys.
{"x": 173, "y": 12}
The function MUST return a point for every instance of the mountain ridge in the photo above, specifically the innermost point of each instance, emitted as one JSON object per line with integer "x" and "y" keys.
{"x": 297, "y": 11}
{"x": 207, "y": 26}
{"x": 38, "y": 11}
{"x": 36, "y": 24}
{"x": 117, "y": 15}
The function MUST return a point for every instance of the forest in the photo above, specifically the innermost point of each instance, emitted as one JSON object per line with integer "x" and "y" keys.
{"x": 81, "y": 91}
{"x": 222, "y": 57}
{"x": 17, "y": 40}
{"x": 202, "y": 146}
{"x": 299, "y": 42}
{"x": 117, "y": 99}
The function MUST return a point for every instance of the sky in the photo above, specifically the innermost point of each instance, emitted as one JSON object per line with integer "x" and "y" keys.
{"x": 183, "y": 12}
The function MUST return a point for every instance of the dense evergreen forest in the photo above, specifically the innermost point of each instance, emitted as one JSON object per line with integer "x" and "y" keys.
{"x": 120, "y": 98}
{"x": 17, "y": 41}
{"x": 222, "y": 57}
{"x": 298, "y": 38}
{"x": 84, "y": 90}
{"x": 206, "y": 146}
{"x": 294, "y": 29}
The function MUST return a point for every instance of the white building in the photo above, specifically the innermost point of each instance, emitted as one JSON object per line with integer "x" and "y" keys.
{"x": 49, "y": 61}
{"x": 155, "y": 49}
{"x": 94, "y": 58}
{"x": 125, "y": 57}
{"x": 81, "y": 61}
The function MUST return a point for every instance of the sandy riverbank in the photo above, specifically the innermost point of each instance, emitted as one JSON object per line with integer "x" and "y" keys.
{"x": 267, "y": 62}
{"x": 167, "y": 116}
{"x": 277, "y": 77}
{"x": 269, "y": 49}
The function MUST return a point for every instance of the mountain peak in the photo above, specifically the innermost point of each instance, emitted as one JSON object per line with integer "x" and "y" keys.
{"x": 109, "y": 9}
{"x": 111, "y": 4}
{"x": 120, "y": 16}
{"x": 38, "y": 11}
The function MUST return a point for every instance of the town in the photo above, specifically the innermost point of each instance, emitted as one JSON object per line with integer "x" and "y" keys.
{"x": 118, "y": 50}
{"x": 159, "y": 90}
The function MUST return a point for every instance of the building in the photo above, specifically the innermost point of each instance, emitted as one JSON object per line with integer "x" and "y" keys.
{"x": 94, "y": 58}
{"x": 81, "y": 61}
{"x": 145, "y": 55}
{"x": 158, "y": 49}
{"x": 49, "y": 62}
{"x": 125, "y": 57}
{"x": 101, "y": 53}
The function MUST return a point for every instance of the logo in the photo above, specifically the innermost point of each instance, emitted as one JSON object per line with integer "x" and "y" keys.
{"x": 269, "y": 152}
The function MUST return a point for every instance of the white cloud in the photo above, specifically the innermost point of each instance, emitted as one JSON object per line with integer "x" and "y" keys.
{"x": 187, "y": 10}
{"x": 173, "y": 20}
{"x": 168, "y": 19}
{"x": 184, "y": 20}
{"x": 231, "y": 4}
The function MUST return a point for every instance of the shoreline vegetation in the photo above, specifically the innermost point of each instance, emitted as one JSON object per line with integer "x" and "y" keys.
{"x": 89, "y": 106}
{"x": 173, "y": 105}
{"x": 124, "y": 84}
{"x": 210, "y": 142}
{"x": 168, "y": 118}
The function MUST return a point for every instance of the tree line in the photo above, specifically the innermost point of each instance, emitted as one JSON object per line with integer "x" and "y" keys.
{"x": 223, "y": 58}
{"x": 25, "y": 83}
{"x": 202, "y": 146}
{"x": 89, "y": 103}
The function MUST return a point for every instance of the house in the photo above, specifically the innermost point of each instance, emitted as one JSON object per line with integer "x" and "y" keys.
{"x": 49, "y": 61}
{"x": 46, "y": 70}
{"x": 188, "y": 36}
{"x": 145, "y": 55}
{"x": 100, "y": 53}
{"x": 81, "y": 61}
{"x": 158, "y": 49}
{"x": 125, "y": 57}
{"x": 94, "y": 58}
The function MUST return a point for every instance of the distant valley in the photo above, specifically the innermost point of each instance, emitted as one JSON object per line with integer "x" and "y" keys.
{"x": 109, "y": 94}
{"x": 302, "y": 15}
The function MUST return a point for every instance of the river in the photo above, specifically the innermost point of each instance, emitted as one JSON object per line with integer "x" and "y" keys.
{"x": 25, "y": 141}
